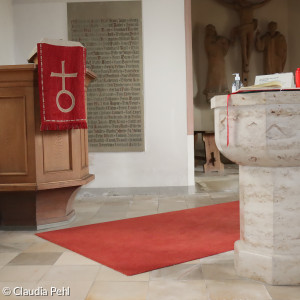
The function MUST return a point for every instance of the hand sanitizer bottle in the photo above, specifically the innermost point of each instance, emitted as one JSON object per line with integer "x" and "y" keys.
{"x": 237, "y": 84}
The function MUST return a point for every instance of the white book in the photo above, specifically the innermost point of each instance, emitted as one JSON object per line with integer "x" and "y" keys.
{"x": 284, "y": 80}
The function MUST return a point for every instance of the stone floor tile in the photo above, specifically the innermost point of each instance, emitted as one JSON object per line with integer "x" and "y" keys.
{"x": 222, "y": 194}
{"x": 166, "y": 199}
{"x": 198, "y": 190}
{"x": 284, "y": 292}
{"x": 197, "y": 196}
{"x": 219, "y": 271}
{"x": 173, "y": 190}
{"x": 145, "y": 197}
{"x": 82, "y": 222}
{"x": 236, "y": 290}
{"x": 107, "y": 192}
{"x": 128, "y": 191}
{"x": 16, "y": 291}
{"x": 87, "y": 211}
{"x": 193, "y": 203}
{"x": 143, "y": 205}
{"x": 169, "y": 208}
{"x": 118, "y": 291}
{"x": 172, "y": 204}
{"x": 7, "y": 257}
{"x": 107, "y": 218}
{"x": 37, "y": 258}
{"x": 108, "y": 274}
{"x": 66, "y": 289}
{"x": 222, "y": 197}
{"x": 16, "y": 240}
{"x": 89, "y": 193}
{"x": 72, "y": 273}
{"x": 193, "y": 262}
{"x": 73, "y": 259}
{"x": 112, "y": 210}
{"x": 224, "y": 200}
{"x": 178, "y": 272}
{"x": 23, "y": 273}
{"x": 141, "y": 213}
{"x": 144, "y": 191}
{"x": 9, "y": 249}
{"x": 225, "y": 257}
{"x": 223, "y": 184}
{"x": 44, "y": 246}
{"x": 177, "y": 290}
{"x": 92, "y": 203}
{"x": 10, "y": 237}
{"x": 118, "y": 200}
{"x": 111, "y": 213}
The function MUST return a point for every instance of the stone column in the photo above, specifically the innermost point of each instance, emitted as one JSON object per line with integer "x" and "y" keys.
{"x": 269, "y": 245}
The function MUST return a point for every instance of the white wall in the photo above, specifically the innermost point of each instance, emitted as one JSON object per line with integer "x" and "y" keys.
{"x": 164, "y": 163}
{"x": 34, "y": 20}
{"x": 165, "y": 160}
{"x": 6, "y": 33}
{"x": 37, "y": 19}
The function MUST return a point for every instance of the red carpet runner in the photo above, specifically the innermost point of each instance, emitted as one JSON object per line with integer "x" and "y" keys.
{"x": 143, "y": 244}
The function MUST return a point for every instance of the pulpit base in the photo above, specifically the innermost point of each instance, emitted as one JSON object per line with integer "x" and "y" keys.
{"x": 36, "y": 209}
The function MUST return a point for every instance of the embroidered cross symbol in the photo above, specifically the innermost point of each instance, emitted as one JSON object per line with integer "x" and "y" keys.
{"x": 63, "y": 76}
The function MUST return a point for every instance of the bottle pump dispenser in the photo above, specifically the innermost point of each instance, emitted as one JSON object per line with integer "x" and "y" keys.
{"x": 237, "y": 84}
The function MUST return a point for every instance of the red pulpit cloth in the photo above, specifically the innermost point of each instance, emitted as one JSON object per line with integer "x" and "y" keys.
{"x": 61, "y": 86}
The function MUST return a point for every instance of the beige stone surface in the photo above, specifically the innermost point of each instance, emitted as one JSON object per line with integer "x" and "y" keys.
{"x": 118, "y": 291}
{"x": 264, "y": 139}
{"x": 236, "y": 290}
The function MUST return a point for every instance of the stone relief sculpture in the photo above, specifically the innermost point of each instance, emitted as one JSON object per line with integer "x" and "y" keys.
{"x": 216, "y": 48}
{"x": 245, "y": 31}
{"x": 274, "y": 46}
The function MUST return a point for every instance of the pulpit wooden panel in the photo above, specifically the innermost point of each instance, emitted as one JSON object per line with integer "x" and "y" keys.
{"x": 40, "y": 172}
{"x": 57, "y": 151}
{"x": 17, "y": 118}
{"x": 13, "y": 138}
{"x": 84, "y": 153}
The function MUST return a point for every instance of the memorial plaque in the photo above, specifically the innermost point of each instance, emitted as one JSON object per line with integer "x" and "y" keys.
{"x": 112, "y": 35}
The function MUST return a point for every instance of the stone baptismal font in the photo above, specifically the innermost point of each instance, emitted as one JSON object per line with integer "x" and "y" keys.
{"x": 264, "y": 139}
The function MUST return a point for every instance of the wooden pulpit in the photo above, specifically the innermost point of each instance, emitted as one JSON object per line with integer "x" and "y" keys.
{"x": 40, "y": 172}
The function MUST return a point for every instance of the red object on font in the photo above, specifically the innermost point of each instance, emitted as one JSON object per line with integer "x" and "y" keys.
{"x": 297, "y": 75}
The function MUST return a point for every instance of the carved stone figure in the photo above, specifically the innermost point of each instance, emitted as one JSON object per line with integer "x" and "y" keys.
{"x": 216, "y": 48}
{"x": 245, "y": 31}
{"x": 274, "y": 46}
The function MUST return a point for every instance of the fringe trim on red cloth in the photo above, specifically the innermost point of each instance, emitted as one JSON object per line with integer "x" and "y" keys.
{"x": 63, "y": 126}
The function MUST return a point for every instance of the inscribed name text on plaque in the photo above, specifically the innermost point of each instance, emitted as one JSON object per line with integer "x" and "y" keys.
{"x": 112, "y": 35}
